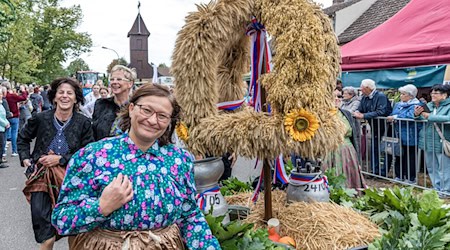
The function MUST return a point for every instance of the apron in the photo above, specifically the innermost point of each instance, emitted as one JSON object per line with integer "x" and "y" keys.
{"x": 168, "y": 238}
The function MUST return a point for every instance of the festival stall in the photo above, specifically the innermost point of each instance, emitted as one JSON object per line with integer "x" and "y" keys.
{"x": 411, "y": 47}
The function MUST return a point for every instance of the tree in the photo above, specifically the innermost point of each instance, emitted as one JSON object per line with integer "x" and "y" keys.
{"x": 114, "y": 62}
{"x": 7, "y": 15}
{"x": 77, "y": 65}
{"x": 162, "y": 65}
{"x": 55, "y": 34}
{"x": 40, "y": 38}
{"x": 18, "y": 54}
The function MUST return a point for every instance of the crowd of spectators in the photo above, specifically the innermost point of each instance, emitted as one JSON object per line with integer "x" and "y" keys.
{"x": 409, "y": 120}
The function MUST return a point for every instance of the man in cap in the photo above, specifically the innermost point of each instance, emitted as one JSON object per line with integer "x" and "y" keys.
{"x": 374, "y": 104}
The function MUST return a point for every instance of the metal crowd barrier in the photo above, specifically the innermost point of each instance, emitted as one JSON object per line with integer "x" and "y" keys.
{"x": 409, "y": 167}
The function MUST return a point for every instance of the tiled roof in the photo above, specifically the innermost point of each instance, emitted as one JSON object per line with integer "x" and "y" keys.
{"x": 377, "y": 14}
{"x": 336, "y": 7}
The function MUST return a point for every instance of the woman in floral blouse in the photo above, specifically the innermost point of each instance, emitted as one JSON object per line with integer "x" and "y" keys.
{"x": 136, "y": 190}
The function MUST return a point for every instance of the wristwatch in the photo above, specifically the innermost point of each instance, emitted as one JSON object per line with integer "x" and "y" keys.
{"x": 62, "y": 161}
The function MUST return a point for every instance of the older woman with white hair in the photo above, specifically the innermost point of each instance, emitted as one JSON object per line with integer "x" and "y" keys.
{"x": 407, "y": 131}
{"x": 350, "y": 100}
{"x": 105, "y": 121}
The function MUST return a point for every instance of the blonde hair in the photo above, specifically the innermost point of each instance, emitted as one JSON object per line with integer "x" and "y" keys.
{"x": 130, "y": 74}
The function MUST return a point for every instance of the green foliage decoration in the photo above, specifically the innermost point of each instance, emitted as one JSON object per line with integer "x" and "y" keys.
{"x": 238, "y": 235}
{"x": 233, "y": 186}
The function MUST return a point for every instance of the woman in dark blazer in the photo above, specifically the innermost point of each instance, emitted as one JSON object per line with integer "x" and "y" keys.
{"x": 105, "y": 121}
{"x": 59, "y": 133}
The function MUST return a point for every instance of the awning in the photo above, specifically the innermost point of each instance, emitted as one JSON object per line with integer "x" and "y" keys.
{"x": 421, "y": 77}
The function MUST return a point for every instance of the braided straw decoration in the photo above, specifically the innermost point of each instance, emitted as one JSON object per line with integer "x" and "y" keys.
{"x": 211, "y": 54}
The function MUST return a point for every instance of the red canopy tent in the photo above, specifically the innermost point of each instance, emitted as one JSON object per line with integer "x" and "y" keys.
{"x": 417, "y": 35}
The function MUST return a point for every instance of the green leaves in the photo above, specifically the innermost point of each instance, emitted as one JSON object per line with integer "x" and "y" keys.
{"x": 77, "y": 65}
{"x": 237, "y": 235}
{"x": 408, "y": 219}
{"x": 233, "y": 186}
{"x": 231, "y": 230}
{"x": 7, "y": 15}
{"x": 433, "y": 217}
{"x": 338, "y": 192}
{"x": 39, "y": 40}
{"x": 430, "y": 199}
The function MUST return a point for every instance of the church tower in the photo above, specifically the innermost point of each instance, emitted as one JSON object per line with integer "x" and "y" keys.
{"x": 139, "y": 48}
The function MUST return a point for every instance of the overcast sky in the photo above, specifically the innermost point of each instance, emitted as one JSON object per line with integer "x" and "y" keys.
{"x": 108, "y": 23}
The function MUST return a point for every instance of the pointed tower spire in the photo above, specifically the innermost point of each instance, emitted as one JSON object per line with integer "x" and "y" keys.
{"x": 139, "y": 47}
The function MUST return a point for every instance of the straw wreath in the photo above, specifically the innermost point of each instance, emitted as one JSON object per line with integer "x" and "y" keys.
{"x": 212, "y": 54}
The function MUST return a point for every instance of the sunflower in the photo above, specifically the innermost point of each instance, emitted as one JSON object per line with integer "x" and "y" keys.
{"x": 301, "y": 124}
{"x": 182, "y": 131}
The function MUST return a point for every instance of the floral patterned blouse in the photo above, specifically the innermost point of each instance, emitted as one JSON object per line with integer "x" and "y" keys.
{"x": 163, "y": 186}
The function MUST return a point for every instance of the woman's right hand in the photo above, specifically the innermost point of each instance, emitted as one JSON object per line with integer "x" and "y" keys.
{"x": 116, "y": 194}
{"x": 418, "y": 110}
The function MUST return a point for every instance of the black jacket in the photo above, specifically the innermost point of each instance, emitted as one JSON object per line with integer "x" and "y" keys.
{"x": 375, "y": 106}
{"x": 105, "y": 112}
{"x": 40, "y": 126}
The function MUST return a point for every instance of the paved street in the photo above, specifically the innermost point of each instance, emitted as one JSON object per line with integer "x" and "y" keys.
{"x": 16, "y": 232}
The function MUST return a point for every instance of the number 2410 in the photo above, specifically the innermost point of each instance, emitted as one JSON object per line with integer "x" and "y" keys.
{"x": 314, "y": 188}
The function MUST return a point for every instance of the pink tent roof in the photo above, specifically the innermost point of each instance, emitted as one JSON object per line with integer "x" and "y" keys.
{"x": 417, "y": 35}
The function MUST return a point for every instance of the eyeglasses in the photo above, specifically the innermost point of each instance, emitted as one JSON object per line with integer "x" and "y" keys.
{"x": 149, "y": 112}
{"x": 119, "y": 79}
{"x": 436, "y": 93}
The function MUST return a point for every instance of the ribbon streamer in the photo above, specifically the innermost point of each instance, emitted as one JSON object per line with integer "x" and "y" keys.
{"x": 231, "y": 105}
{"x": 201, "y": 197}
{"x": 255, "y": 194}
{"x": 259, "y": 51}
{"x": 279, "y": 172}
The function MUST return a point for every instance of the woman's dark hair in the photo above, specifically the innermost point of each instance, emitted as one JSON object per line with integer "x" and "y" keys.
{"x": 72, "y": 82}
{"x": 153, "y": 90}
{"x": 441, "y": 88}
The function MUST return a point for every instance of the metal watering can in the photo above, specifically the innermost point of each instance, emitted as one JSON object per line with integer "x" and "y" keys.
{"x": 307, "y": 183}
{"x": 207, "y": 173}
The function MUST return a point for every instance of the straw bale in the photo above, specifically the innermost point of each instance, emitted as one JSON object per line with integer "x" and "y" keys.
{"x": 314, "y": 226}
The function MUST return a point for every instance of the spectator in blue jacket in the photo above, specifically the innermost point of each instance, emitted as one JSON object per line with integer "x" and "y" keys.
{"x": 408, "y": 132}
{"x": 374, "y": 104}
